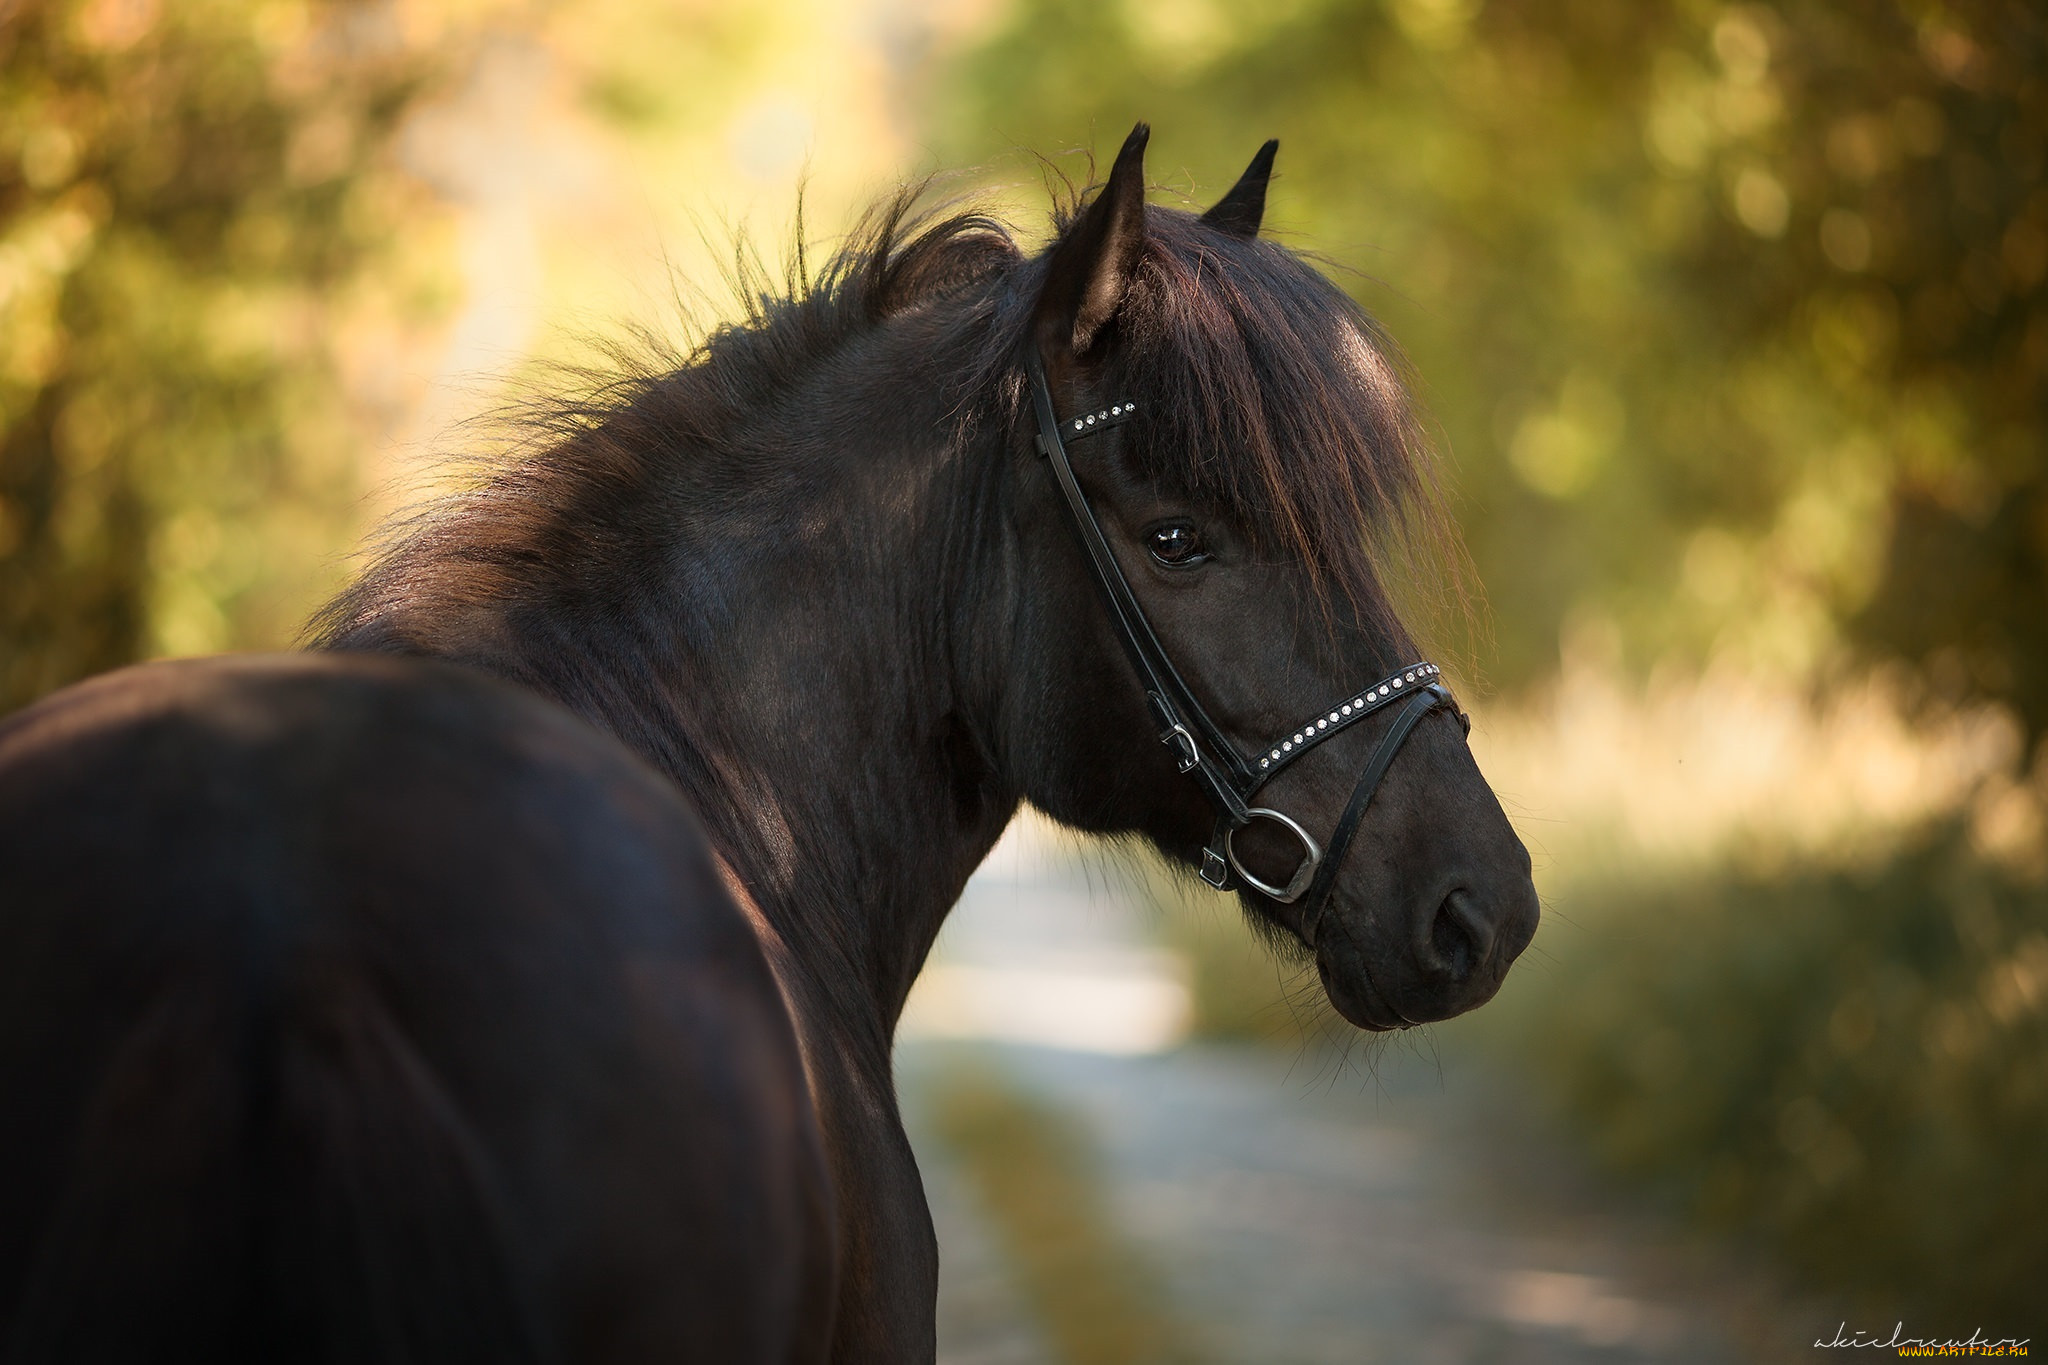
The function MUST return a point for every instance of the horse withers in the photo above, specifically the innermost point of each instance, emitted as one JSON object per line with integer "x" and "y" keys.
{"x": 513, "y": 975}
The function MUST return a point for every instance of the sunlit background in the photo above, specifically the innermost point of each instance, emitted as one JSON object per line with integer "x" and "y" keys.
{"x": 1730, "y": 320}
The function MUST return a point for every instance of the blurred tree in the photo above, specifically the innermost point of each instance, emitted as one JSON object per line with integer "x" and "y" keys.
{"x": 1914, "y": 259}
{"x": 1732, "y": 315}
{"x": 190, "y": 196}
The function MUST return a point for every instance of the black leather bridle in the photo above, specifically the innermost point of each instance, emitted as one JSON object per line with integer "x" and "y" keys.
{"x": 1227, "y": 777}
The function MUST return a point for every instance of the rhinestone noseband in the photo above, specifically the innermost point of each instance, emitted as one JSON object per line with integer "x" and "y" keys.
{"x": 1227, "y": 778}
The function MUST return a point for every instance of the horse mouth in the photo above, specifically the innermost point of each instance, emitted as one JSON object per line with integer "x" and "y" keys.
{"x": 1349, "y": 986}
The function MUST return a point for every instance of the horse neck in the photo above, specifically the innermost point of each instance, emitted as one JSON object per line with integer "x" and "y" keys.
{"x": 833, "y": 708}
{"x": 803, "y": 635}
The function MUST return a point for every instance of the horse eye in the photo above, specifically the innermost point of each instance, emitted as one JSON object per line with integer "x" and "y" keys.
{"x": 1176, "y": 544}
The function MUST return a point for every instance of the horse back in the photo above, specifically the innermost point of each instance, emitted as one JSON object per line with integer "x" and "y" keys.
{"x": 354, "y": 1008}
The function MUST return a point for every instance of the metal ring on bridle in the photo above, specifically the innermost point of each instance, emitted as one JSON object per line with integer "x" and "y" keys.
{"x": 1304, "y": 875}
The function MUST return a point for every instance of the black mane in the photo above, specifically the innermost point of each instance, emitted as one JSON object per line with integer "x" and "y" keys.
{"x": 608, "y": 439}
{"x": 1272, "y": 394}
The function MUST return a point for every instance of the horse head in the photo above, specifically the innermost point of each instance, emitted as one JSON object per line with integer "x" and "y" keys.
{"x": 1219, "y": 467}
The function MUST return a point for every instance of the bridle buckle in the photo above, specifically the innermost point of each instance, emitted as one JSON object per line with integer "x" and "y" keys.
{"x": 1188, "y": 757}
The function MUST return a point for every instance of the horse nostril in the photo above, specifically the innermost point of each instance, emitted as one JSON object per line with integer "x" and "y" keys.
{"x": 1460, "y": 936}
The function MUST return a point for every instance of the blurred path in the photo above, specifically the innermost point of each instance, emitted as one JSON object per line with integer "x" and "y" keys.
{"x": 1261, "y": 1206}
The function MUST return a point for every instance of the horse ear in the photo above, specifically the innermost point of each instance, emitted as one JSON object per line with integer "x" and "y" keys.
{"x": 1093, "y": 264}
{"x": 1240, "y": 212}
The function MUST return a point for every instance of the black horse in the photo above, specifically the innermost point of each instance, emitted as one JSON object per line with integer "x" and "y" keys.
{"x": 513, "y": 976}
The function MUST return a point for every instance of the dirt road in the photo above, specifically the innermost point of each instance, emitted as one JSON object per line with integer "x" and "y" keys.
{"x": 1107, "y": 1192}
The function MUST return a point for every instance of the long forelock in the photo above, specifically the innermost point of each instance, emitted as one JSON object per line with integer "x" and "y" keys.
{"x": 1274, "y": 395}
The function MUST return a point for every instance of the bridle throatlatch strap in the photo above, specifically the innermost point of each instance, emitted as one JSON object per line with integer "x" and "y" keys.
{"x": 1227, "y": 777}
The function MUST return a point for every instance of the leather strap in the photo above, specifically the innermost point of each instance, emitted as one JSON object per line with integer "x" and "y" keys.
{"x": 1431, "y": 698}
{"x": 1204, "y": 753}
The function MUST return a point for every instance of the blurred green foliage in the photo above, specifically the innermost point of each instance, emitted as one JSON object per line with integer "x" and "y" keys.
{"x": 1845, "y": 1062}
{"x": 1732, "y": 314}
{"x": 192, "y": 197}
